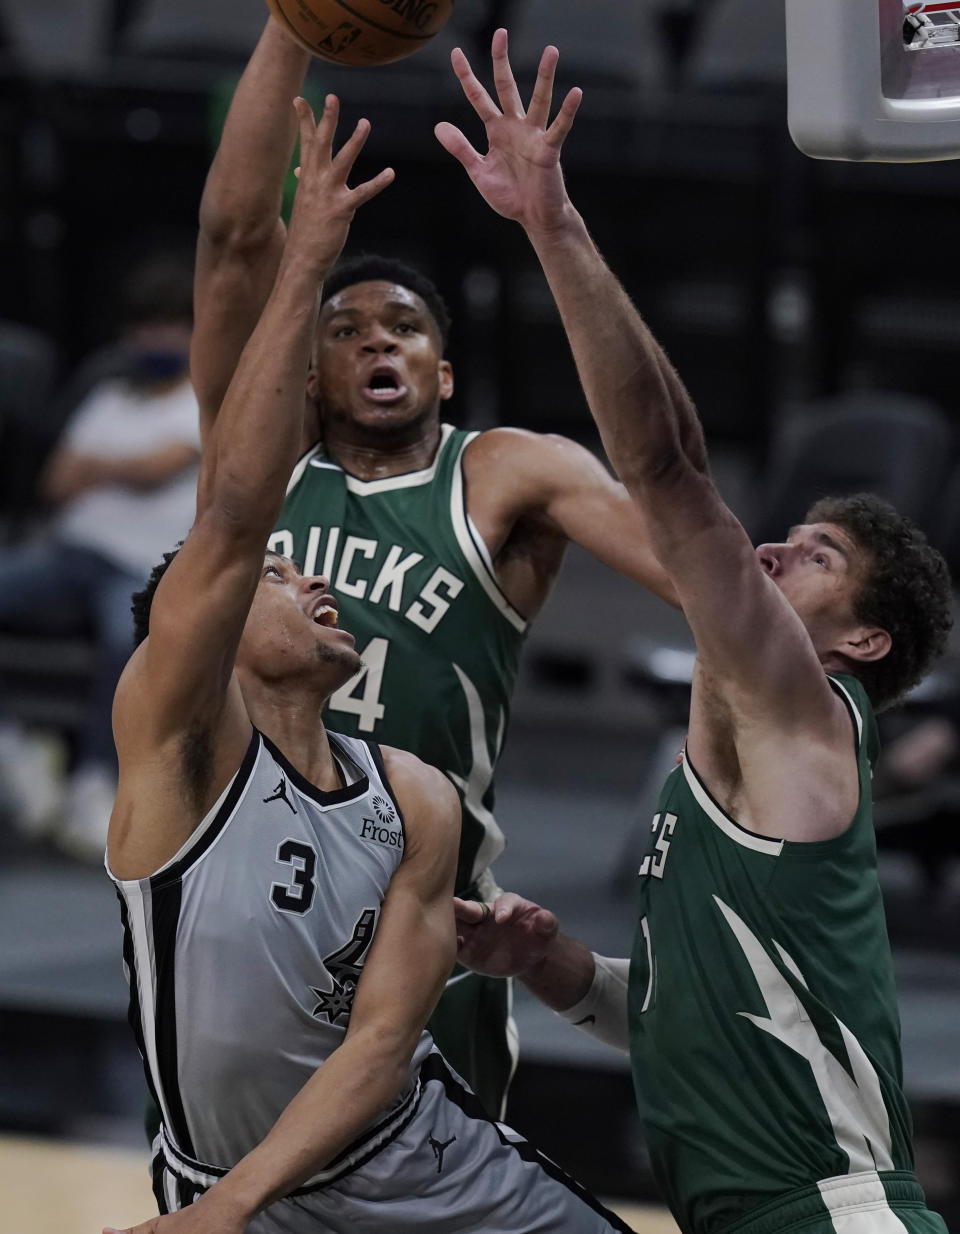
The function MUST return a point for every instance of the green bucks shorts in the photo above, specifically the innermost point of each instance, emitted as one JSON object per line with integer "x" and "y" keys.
{"x": 887, "y": 1203}
{"x": 474, "y": 1031}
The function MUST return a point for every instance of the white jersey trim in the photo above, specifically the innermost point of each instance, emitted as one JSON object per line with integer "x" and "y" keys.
{"x": 211, "y": 818}
{"x": 302, "y": 465}
{"x": 855, "y": 711}
{"x": 369, "y": 488}
{"x": 357, "y": 1153}
{"x": 857, "y": 1204}
{"x": 747, "y": 839}
{"x": 852, "y": 1099}
{"x": 139, "y": 914}
{"x": 473, "y": 548}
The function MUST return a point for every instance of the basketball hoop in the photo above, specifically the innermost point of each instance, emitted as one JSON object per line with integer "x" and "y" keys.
{"x": 874, "y": 80}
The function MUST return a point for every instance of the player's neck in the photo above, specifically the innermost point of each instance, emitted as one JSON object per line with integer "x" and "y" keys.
{"x": 376, "y": 456}
{"x": 292, "y": 722}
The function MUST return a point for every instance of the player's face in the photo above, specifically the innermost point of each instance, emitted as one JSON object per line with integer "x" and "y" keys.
{"x": 820, "y": 569}
{"x": 378, "y": 362}
{"x": 292, "y": 629}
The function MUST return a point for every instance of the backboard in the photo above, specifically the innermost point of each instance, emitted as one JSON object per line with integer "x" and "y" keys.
{"x": 874, "y": 80}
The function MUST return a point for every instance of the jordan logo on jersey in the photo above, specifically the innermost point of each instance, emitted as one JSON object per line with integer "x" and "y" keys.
{"x": 439, "y": 1148}
{"x": 280, "y": 794}
{"x": 345, "y": 966}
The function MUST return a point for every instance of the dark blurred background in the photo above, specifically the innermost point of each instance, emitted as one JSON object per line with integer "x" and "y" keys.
{"x": 811, "y": 308}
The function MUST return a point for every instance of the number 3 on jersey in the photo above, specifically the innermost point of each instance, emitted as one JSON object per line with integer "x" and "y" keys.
{"x": 361, "y": 695}
{"x": 655, "y": 862}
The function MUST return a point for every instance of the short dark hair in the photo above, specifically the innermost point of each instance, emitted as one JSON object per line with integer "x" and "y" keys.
{"x": 141, "y": 601}
{"x": 907, "y": 592}
{"x": 371, "y": 268}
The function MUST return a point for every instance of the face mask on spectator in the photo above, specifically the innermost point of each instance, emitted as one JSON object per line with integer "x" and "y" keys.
{"x": 157, "y": 364}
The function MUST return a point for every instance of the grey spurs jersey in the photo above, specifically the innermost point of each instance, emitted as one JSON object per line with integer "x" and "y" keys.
{"x": 244, "y": 951}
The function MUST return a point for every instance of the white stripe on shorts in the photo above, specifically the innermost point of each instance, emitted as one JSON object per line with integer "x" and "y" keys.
{"x": 857, "y": 1204}
{"x": 170, "y": 1193}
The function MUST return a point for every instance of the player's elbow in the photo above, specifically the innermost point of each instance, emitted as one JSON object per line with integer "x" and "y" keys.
{"x": 229, "y": 225}
{"x": 656, "y": 471}
{"x": 392, "y": 1046}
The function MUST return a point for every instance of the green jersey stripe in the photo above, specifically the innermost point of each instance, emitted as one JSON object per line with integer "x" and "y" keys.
{"x": 473, "y": 548}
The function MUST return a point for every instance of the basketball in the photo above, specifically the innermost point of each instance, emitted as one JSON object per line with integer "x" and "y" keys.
{"x": 362, "y": 32}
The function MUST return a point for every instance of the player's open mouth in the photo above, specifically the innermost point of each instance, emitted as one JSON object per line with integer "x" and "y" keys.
{"x": 384, "y": 387}
{"x": 325, "y": 614}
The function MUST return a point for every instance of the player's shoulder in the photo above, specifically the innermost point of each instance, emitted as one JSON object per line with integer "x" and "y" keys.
{"x": 506, "y": 453}
{"x": 420, "y": 788}
{"x": 506, "y": 438}
{"x": 129, "y": 693}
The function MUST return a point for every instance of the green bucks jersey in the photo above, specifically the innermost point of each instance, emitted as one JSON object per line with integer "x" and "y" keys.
{"x": 439, "y": 640}
{"x": 763, "y": 1019}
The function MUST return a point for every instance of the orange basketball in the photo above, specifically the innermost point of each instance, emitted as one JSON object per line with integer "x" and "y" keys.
{"x": 362, "y": 31}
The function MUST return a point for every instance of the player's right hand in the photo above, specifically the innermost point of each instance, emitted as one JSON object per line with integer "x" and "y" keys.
{"x": 505, "y": 939}
{"x": 324, "y": 206}
{"x": 520, "y": 175}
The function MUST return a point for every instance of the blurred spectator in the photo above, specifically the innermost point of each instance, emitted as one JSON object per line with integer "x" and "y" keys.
{"x": 922, "y": 753}
{"x": 917, "y": 797}
{"x": 122, "y": 481}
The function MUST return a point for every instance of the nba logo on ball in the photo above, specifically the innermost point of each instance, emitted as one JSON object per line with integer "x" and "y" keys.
{"x": 875, "y": 80}
{"x": 361, "y": 32}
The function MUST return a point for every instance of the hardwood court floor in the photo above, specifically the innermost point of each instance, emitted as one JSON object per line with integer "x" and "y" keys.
{"x": 51, "y": 1188}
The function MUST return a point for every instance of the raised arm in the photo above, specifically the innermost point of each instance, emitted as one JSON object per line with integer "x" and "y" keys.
{"x": 648, "y": 424}
{"x": 241, "y": 234}
{"x": 558, "y": 486}
{"x": 179, "y": 681}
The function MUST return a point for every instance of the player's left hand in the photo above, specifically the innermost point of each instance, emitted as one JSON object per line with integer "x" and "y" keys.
{"x": 505, "y": 939}
{"x": 520, "y": 175}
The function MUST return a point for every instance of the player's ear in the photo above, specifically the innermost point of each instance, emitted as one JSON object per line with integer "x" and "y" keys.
{"x": 446, "y": 380}
{"x": 867, "y": 644}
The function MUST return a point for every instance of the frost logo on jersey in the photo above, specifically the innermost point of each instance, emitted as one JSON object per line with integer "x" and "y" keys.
{"x": 383, "y": 809}
{"x": 852, "y": 1097}
{"x": 370, "y": 830}
{"x": 345, "y": 966}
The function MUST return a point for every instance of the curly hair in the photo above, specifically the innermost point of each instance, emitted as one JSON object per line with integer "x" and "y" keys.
{"x": 907, "y": 592}
{"x": 371, "y": 268}
{"x": 142, "y": 601}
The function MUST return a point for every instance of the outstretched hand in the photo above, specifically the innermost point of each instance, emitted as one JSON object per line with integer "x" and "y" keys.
{"x": 505, "y": 940}
{"x": 324, "y": 206}
{"x": 520, "y": 175}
